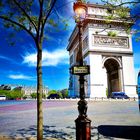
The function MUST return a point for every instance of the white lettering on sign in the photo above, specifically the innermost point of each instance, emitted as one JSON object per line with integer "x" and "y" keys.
{"x": 80, "y": 70}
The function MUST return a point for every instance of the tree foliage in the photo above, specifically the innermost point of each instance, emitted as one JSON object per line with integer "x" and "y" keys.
{"x": 64, "y": 93}
{"x": 12, "y": 94}
{"x": 126, "y": 10}
{"x": 33, "y": 95}
{"x": 3, "y": 92}
{"x": 112, "y": 34}
{"x": 58, "y": 94}
{"x": 31, "y": 16}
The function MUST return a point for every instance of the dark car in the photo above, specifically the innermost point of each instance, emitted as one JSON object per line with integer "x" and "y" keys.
{"x": 119, "y": 95}
{"x": 53, "y": 96}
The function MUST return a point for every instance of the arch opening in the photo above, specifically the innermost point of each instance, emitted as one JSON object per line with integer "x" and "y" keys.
{"x": 113, "y": 76}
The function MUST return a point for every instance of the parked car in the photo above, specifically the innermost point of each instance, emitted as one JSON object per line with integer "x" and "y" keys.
{"x": 119, "y": 95}
{"x": 2, "y": 97}
{"x": 53, "y": 96}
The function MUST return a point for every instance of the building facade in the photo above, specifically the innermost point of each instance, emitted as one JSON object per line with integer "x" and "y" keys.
{"x": 27, "y": 90}
{"x": 107, "y": 48}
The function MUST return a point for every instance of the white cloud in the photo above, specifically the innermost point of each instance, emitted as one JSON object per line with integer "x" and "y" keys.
{"x": 20, "y": 76}
{"x": 7, "y": 59}
{"x": 12, "y": 61}
{"x": 57, "y": 57}
{"x": 30, "y": 59}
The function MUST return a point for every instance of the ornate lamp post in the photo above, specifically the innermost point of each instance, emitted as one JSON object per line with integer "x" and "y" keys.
{"x": 83, "y": 124}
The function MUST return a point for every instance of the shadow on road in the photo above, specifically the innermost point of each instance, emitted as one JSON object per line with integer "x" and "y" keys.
{"x": 68, "y": 133}
{"x": 48, "y": 132}
{"x": 126, "y": 132}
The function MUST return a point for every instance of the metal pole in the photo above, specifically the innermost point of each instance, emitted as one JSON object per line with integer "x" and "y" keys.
{"x": 83, "y": 123}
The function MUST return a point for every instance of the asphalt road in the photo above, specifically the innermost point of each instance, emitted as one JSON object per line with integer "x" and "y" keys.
{"x": 109, "y": 119}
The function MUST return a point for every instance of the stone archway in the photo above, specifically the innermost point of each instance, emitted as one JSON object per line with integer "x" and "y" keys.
{"x": 114, "y": 80}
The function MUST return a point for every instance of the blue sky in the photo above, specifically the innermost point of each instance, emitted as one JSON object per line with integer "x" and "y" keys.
{"x": 18, "y": 65}
{"x": 18, "y": 62}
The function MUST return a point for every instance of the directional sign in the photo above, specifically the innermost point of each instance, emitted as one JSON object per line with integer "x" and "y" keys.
{"x": 80, "y": 70}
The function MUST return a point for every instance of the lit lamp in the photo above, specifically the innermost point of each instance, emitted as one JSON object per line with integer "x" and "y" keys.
{"x": 80, "y": 11}
{"x": 80, "y": 15}
{"x": 83, "y": 124}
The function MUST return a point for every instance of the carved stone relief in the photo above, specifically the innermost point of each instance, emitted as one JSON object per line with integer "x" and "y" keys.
{"x": 111, "y": 41}
{"x": 100, "y": 11}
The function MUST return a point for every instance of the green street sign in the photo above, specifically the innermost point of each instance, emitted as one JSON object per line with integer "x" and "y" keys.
{"x": 80, "y": 70}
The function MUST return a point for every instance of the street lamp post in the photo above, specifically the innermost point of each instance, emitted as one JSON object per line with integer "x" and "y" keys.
{"x": 83, "y": 123}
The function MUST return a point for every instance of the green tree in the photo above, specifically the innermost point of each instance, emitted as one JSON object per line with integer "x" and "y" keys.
{"x": 12, "y": 94}
{"x": 52, "y": 92}
{"x": 34, "y": 95}
{"x": 119, "y": 9}
{"x": 57, "y": 94}
{"x": 24, "y": 96}
{"x": 32, "y": 16}
{"x": 4, "y": 92}
{"x": 65, "y": 93}
{"x": 16, "y": 94}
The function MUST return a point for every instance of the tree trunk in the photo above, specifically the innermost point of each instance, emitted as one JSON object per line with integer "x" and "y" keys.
{"x": 39, "y": 95}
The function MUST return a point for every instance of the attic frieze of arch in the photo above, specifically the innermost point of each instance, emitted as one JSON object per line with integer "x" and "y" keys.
{"x": 110, "y": 41}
